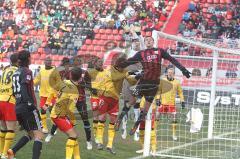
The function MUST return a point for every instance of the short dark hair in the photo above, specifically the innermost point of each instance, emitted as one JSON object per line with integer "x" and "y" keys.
{"x": 65, "y": 61}
{"x": 76, "y": 74}
{"x": 23, "y": 58}
{"x": 14, "y": 58}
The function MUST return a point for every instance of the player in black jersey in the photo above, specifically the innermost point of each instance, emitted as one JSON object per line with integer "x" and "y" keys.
{"x": 26, "y": 107}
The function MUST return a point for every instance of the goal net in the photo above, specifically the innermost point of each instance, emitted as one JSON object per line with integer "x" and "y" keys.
{"x": 214, "y": 90}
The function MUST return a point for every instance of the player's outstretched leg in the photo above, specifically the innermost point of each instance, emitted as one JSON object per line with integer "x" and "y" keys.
{"x": 136, "y": 115}
{"x": 136, "y": 124}
{"x": 124, "y": 112}
{"x": 82, "y": 109}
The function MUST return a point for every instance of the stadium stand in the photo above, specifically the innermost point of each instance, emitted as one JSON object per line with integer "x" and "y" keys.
{"x": 68, "y": 28}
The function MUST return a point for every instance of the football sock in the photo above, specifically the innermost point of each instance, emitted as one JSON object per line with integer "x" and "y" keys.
{"x": 141, "y": 136}
{"x": 111, "y": 134}
{"x": 153, "y": 140}
{"x": 8, "y": 141}
{"x": 2, "y": 140}
{"x": 21, "y": 142}
{"x": 76, "y": 151}
{"x": 95, "y": 126}
{"x": 44, "y": 121}
{"x": 70, "y": 146}
{"x": 100, "y": 131}
{"x": 53, "y": 129}
{"x": 37, "y": 148}
{"x": 87, "y": 128}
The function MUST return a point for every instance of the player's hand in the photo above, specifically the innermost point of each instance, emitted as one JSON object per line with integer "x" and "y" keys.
{"x": 131, "y": 72}
{"x": 186, "y": 73}
{"x": 158, "y": 102}
{"x": 183, "y": 105}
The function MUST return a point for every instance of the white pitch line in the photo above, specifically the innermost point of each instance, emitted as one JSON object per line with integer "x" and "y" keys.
{"x": 178, "y": 157}
{"x": 189, "y": 144}
{"x": 228, "y": 139}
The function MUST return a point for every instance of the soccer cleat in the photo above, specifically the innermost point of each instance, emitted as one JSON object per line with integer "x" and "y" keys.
{"x": 174, "y": 138}
{"x": 153, "y": 153}
{"x": 139, "y": 151}
{"x": 10, "y": 154}
{"x": 45, "y": 131}
{"x": 55, "y": 132}
{"x": 96, "y": 141}
{"x": 111, "y": 150}
{"x": 124, "y": 134}
{"x": 48, "y": 138}
{"x": 100, "y": 146}
{"x": 3, "y": 157}
{"x": 89, "y": 145}
{"x": 136, "y": 136}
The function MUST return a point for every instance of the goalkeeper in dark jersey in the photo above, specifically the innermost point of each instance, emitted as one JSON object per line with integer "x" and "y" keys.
{"x": 147, "y": 86}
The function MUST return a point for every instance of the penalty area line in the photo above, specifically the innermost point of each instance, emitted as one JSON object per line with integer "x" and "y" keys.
{"x": 159, "y": 153}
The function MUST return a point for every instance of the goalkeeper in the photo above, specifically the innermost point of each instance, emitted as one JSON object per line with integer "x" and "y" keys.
{"x": 166, "y": 99}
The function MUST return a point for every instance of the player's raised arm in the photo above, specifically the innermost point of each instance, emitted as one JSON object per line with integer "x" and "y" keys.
{"x": 165, "y": 55}
{"x": 132, "y": 60}
{"x": 180, "y": 93}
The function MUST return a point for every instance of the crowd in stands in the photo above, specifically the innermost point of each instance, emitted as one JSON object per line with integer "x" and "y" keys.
{"x": 62, "y": 26}
{"x": 211, "y": 20}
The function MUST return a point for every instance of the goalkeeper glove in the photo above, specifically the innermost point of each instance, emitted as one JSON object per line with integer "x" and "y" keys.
{"x": 183, "y": 105}
{"x": 186, "y": 73}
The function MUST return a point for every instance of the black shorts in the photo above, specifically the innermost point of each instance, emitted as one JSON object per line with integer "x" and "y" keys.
{"x": 148, "y": 89}
{"x": 30, "y": 120}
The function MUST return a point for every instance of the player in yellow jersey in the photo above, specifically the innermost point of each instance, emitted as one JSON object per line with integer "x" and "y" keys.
{"x": 153, "y": 131}
{"x": 7, "y": 107}
{"x": 167, "y": 99}
{"x": 63, "y": 117}
{"x": 109, "y": 92}
{"x": 46, "y": 74}
{"x": 96, "y": 75}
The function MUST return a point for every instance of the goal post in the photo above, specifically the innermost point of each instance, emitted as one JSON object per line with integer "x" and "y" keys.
{"x": 213, "y": 88}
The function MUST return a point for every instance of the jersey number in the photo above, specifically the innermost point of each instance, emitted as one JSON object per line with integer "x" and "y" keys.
{"x": 16, "y": 85}
{"x": 7, "y": 79}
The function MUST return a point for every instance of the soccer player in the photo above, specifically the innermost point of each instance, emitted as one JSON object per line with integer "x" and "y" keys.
{"x": 43, "y": 78}
{"x": 7, "y": 107}
{"x": 81, "y": 103}
{"x": 167, "y": 99}
{"x": 153, "y": 139}
{"x": 128, "y": 98}
{"x": 26, "y": 107}
{"x": 148, "y": 85}
{"x": 109, "y": 93}
{"x": 96, "y": 75}
{"x": 63, "y": 116}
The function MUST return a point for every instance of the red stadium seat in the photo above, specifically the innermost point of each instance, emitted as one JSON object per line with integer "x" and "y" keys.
{"x": 229, "y": 1}
{"x": 216, "y": 1}
{"x": 168, "y": 8}
{"x": 101, "y": 42}
{"x": 111, "y": 37}
{"x": 229, "y": 17}
{"x": 96, "y": 31}
{"x": 108, "y": 31}
{"x": 118, "y": 38}
{"x": 102, "y": 31}
{"x": 121, "y": 32}
{"x": 88, "y": 42}
{"x": 90, "y": 47}
{"x": 222, "y": 1}
{"x": 97, "y": 36}
{"x": 104, "y": 37}
{"x": 97, "y": 48}
{"x": 84, "y": 48}
{"x": 171, "y": 3}
{"x": 95, "y": 42}
{"x": 210, "y": 1}
{"x": 115, "y": 31}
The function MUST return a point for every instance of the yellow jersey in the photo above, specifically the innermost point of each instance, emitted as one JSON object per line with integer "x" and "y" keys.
{"x": 97, "y": 79}
{"x": 66, "y": 101}
{"x": 112, "y": 85}
{"x": 167, "y": 95}
{"x": 6, "y": 91}
{"x": 45, "y": 79}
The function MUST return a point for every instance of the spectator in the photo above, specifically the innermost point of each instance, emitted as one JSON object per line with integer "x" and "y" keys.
{"x": 231, "y": 74}
{"x": 196, "y": 72}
